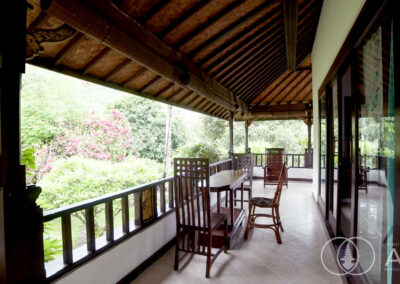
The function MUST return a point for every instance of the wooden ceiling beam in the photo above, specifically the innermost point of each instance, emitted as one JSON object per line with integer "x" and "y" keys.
{"x": 301, "y": 85}
{"x": 183, "y": 18}
{"x": 206, "y": 106}
{"x": 251, "y": 44}
{"x": 267, "y": 64}
{"x": 257, "y": 28}
{"x": 39, "y": 20}
{"x": 166, "y": 88}
{"x": 68, "y": 48}
{"x": 232, "y": 78}
{"x": 152, "y": 11}
{"x": 261, "y": 97}
{"x": 148, "y": 85}
{"x": 288, "y": 89}
{"x": 208, "y": 23}
{"x": 248, "y": 95}
{"x": 181, "y": 90}
{"x": 280, "y": 115}
{"x": 129, "y": 80}
{"x": 118, "y": 68}
{"x": 231, "y": 28}
{"x": 116, "y": 29}
{"x": 298, "y": 92}
{"x": 279, "y": 88}
{"x": 92, "y": 62}
{"x": 290, "y": 11}
{"x": 258, "y": 49}
{"x": 279, "y": 108}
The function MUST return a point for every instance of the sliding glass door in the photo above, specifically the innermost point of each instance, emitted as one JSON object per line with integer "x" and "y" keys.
{"x": 376, "y": 148}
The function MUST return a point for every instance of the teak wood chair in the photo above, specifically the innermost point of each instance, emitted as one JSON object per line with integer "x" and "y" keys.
{"x": 273, "y": 163}
{"x": 195, "y": 222}
{"x": 263, "y": 202}
{"x": 244, "y": 162}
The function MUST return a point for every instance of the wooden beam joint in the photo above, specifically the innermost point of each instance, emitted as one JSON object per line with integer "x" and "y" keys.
{"x": 290, "y": 10}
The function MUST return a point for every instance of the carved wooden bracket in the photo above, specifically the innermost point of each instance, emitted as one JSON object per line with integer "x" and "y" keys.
{"x": 37, "y": 37}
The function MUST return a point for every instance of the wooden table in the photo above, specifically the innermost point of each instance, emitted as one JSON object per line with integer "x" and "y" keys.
{"x": 228, "y": 181}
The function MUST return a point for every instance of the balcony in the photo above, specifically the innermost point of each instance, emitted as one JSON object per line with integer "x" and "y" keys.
{"x": 298, "y": 256}
{"x": 260, "y": 259}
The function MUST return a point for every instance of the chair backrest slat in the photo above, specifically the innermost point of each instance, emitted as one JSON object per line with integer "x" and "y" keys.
{"x": 244, "y": 162}
{"x": 274, "y": 158}
{"x": 192, "y": 190}
{"x": 278, "y": 191}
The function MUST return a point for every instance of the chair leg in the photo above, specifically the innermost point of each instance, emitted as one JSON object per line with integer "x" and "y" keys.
{"x": 208, "y": 264}
{"x": 234, "y": 196}
{"x": 176, "y": 262}
{"x": 276, "y": 227}
{"x": 246, "y": 234}
{"x": 278, "y": 216}
{"x": 226, "y": 236}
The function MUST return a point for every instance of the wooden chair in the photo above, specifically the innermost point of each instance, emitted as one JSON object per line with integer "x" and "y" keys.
{"x": 273, "y": 164}
{"x": 244, "y": 162}
{"x": 263, "y": 202}
{"x": 194, "y": 221}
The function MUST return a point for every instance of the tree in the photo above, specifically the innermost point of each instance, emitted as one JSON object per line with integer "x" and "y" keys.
{"x": 147, "y": 120}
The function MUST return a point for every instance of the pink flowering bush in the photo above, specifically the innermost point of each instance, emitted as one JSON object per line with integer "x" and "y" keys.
{"x": 98, "y": 136}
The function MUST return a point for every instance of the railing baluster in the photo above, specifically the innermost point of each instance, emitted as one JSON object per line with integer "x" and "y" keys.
{"x": 125, "y": 214}
{"x": 298, "y": 161}
{"x": 138, "y": 209}
{"x": 162, "y": 197}
{"x": 90, "y": 231}
{"x": 109, "y": 221}
{"x": 67, "y": 238}
{"x": 155, "y": 208}
{"x": 171, "y": 194}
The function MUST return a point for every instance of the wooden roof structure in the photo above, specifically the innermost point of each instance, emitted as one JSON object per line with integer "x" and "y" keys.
{"x": 250, "y": 58}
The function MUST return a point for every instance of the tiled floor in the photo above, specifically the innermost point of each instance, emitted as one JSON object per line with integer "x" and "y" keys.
{"x": 260, "y": 259}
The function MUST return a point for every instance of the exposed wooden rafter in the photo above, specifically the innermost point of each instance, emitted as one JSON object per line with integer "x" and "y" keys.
{"x": 137, "y": 43}
{"x": 290, "y": 11}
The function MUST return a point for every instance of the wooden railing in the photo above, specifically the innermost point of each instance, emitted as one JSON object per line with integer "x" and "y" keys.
{"x": 151, "y": 202}
{"x": 220, "y": 166}
{"x": 291, "y": 160}
{"x": 373, "y": 162}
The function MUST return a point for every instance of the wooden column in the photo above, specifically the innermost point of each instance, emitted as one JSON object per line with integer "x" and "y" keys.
{"x": 21, "y": 231}
{"x": 309, "y": 151}
{"x": 231, "y": 135}
{"x": 246, "y": 131}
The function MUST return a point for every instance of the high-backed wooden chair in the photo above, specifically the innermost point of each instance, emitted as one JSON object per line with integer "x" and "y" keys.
{"x": 195, "y": 222}
{"x": 263, "y": 202}
{"x": 244, "y": 162}
{"x": 274, "y": 159}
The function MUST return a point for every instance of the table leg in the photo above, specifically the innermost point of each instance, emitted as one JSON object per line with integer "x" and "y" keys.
{"x": 231, "y": 205}
{"x": 241, "y": 191}
{"x": 218, "y": 202}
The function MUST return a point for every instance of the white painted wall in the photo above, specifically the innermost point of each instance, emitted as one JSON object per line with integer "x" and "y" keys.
{"x": 117, "y": 262}
{"x": 336, "y": 20}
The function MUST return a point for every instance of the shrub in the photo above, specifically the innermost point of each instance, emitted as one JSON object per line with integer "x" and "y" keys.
{"x": 202, "y": 150}
{"x": 77, "y": 179}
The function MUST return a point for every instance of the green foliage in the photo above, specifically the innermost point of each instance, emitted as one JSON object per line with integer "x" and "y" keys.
{"x": 215, "y": 129}
{"x": 147, "y": 121}
{"x": 77, "y": 179}
{"x": 37, "y": 126}
{"x": 28, "y": 158}
{"x": 202, "y": 150}
{"x": 52, "y": 247}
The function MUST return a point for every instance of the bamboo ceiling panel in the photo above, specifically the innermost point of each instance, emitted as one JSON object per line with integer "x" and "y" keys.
{"x": 235, "y": 47}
